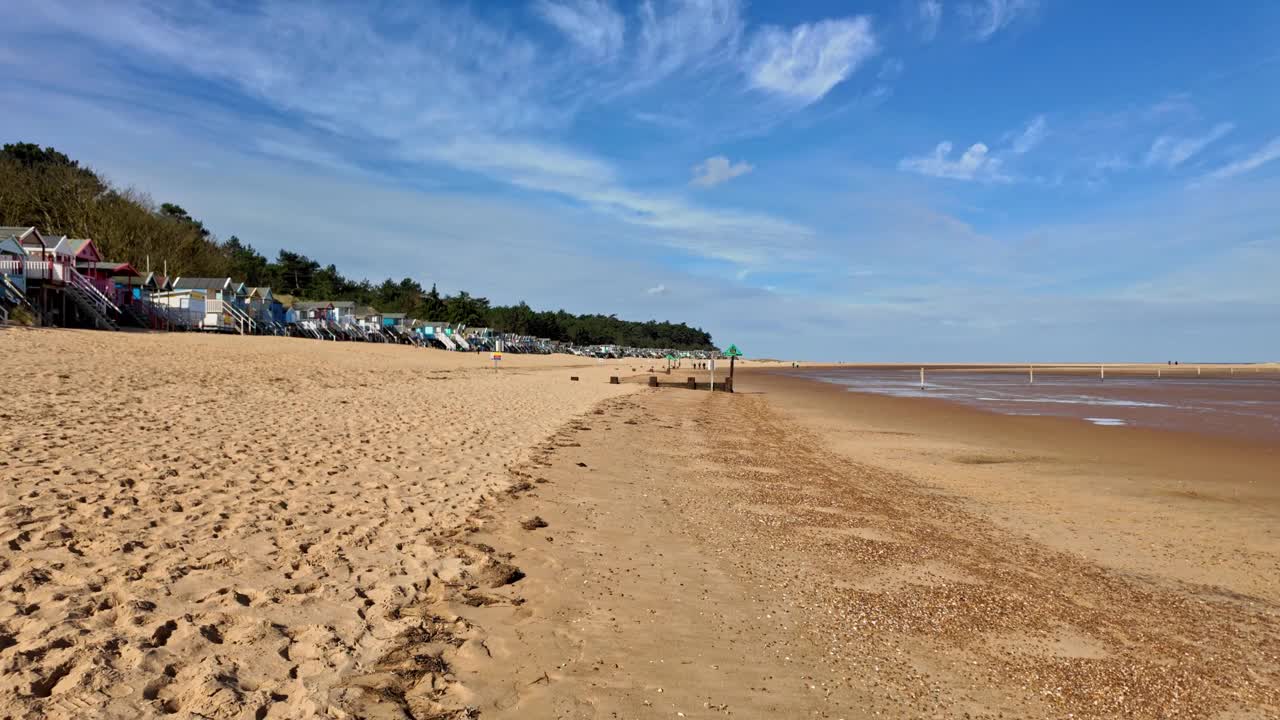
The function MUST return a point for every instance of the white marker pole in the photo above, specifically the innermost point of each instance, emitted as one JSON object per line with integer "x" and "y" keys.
{"x": 1197, "y": 371}
{"x": 713, "y": 375}
{"x": 921, "y": 378}
{"x": 1031, "y": 374}
{"x": 1102, "y": 372}
{"x": 1158, "y": 373}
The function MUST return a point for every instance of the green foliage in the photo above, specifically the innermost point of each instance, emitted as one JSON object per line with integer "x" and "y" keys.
{"x": 47, "y": 189}
{"x": 21, "y": 316}
{"x": 30, "y": 155}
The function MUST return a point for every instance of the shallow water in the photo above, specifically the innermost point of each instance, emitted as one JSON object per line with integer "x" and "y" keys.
{"x": 1241, "y": 406}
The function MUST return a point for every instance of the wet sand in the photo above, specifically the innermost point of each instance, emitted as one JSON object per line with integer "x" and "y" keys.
{"x": 780, "y": 553}
{"x": 1244, "y": 404}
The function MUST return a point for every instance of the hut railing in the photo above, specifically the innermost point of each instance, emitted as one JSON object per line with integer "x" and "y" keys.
{"x": 50, "y": 270}
{"x": 12, "y": 267}
{"x": 95, "y": 294}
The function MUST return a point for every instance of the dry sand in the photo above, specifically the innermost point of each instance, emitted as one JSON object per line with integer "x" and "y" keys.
{"x": 267, "y": 528}
{"x": 246, "y": 527}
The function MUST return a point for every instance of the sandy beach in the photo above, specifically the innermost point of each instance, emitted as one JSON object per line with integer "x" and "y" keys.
{"x": 216, "y": 526}
{"x": 261, "y": 527}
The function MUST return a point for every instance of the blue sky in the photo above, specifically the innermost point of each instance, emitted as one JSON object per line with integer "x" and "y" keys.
{"x": 931, "y": 180}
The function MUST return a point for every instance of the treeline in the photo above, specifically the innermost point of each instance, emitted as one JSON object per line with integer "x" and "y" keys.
{"x": 47, "y": 189}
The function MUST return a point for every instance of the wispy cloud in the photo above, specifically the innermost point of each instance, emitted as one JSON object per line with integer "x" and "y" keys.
{"x": 1260, "y": 157}
{"x": 1031, "y": 136}
{"x": 928, "y": 19}
{"x": 975, "y": 164}
{"x": 805, "y": 62}
{"x": 592, "y": 25}
{"x": 718, "y": 169}
{"x": 1170, "y": 151}
{"x": 677, "y": 35}
{"x": 297, "y": 150}
{"x": 989, "y": 17}
{"x": 658, "y": 289}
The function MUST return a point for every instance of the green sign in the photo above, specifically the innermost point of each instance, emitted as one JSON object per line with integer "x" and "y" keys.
{"x": 733, "y": 351}
{"x": 671, "y": 357}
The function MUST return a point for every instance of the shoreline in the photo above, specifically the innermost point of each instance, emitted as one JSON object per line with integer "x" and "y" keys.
{"x": 929, "y": 408}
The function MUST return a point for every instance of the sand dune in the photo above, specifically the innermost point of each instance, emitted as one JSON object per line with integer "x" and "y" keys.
{"x": 245, "y": 527}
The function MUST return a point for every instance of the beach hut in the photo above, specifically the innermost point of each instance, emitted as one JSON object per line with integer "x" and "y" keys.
{"x": 42, "y": 264}
{"x": 83, "y": 251}
{"x": 13, "y": 277}
{"x": 221, "y": 311}
{"x": 213, "y": 288}
{"x": 240, "y": 297}
{"x": 275, "y": 308}
{"x": 256, "y": 303}
{"x": 12, "y": 261}
{"x": 319, "y": 310}
{"x": 184, "y": 308}
{"x": 343, "y": 311}
{"x": 66, "y": 296}
{"x": 155, "y": 282}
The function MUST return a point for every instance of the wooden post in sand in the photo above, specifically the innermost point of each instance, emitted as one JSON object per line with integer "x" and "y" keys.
{"x": 1158, "y": 373}
{"x": 653, "y": 381}
{"x": 921, "y": 378}
{"x": 1102, "y": 372}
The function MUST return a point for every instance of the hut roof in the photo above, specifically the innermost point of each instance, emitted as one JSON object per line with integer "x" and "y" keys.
{"x": 82, "y": 248}
{"x": 9, "y": 231}
{"x": 116, "y": 269}
{"x": 199, "y": 283}
{"x": 313, "y": 304}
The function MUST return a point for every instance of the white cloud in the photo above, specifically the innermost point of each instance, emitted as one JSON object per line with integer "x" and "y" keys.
{"x": 718, "y": 169}
{"x": 592, "y": 25}
{"x": 297, "y": 150}
{"x": 675, "y": 35}
{"x": 989, "y": 17}
{"x": 805, "y": 62}
{"x": 975, "y": 164}
{"x": 658, "y": 289}
{"x": 1170, "y": 152}
{"x": 526, "y": 163}
{"x": 1264, "y": 155}
{"x": 1031, "y": 136}
{"x": 929, "y": 18}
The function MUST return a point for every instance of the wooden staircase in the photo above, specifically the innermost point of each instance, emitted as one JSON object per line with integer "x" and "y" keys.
{"x": 91, "y": 300}
{"x": 13, "y": 296}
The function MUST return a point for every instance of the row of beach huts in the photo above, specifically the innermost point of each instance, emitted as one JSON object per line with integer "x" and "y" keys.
{"x": 66, "y": 282}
